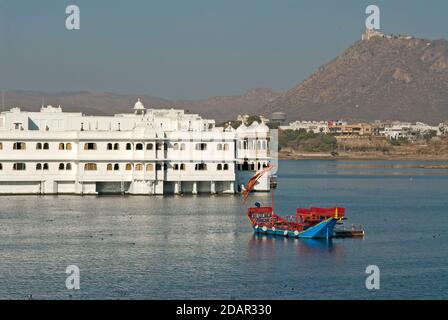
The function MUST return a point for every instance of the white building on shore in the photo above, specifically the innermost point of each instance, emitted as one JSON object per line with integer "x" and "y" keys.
{"x": 407, "y": 130}
{"x": 147, "y": 152}
{"x": 309, "y": 126}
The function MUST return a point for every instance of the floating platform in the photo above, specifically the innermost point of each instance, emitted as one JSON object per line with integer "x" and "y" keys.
{"x": 354, "y": 232}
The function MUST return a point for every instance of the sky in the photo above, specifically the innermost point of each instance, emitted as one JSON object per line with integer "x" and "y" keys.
{"x": 190, "y": 49}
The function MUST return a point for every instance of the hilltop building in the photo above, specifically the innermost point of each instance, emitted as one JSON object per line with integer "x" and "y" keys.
{"x": 372, "y": 33}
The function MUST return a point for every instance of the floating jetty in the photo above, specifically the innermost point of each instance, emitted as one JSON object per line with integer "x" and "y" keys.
{"x": 354, "y": 232}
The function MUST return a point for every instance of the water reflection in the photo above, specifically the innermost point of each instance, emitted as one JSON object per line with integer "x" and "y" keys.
{"x": 268, "y": 244}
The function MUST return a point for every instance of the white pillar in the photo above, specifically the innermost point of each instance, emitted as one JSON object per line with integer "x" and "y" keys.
{"x": 212, "y": 187}
{"x": 176, "y": 187}
{"x": 195, "y": 188}
{"x": 232, "y": 187}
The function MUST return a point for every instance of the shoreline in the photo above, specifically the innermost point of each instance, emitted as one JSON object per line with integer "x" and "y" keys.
{"x": 360, "y": 157}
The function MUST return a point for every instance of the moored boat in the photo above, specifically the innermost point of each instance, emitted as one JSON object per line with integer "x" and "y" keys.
{"x": 312, "y": 223}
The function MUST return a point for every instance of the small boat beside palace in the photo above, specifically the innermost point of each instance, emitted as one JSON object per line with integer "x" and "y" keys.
{"x": 310, "y": 223}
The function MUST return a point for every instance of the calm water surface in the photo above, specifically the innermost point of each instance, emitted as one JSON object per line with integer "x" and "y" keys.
{"x": 203, "y": 247}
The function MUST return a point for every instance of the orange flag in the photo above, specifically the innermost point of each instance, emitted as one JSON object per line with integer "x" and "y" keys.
{"x": 252, "y": 181}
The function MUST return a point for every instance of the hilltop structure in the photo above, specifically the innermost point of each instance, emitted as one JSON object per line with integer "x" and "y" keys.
{"x": 372, "y": 33}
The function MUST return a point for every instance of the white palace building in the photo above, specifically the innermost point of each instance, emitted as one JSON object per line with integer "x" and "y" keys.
{"x": 147, "y": 152}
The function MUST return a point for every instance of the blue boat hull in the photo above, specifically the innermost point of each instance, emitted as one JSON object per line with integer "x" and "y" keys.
{"x": 322, "y": 230}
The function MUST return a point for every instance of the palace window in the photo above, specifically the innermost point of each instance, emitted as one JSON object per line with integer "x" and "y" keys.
{"x": 45, "y": 166}
{"x": 245, "y": 166}
{"x": 200, "y": 167}
{"x": 176, "y": 146}
{"x": 182, "y": 166}
{"x": 139, "y": 146}
{"x": 138, "y": 167}
{"x": 149, "y": 167}
{"x": 219, "y": 167}
{"x": 1, "y": 146}
{"x": 61, "y": 146}
{"x": 182, "y": 146}
{"x": 61, "y": 166}
{"x": 159, "y": 146}
{"x": 128, "y": 167}
{"x": 114, "y": 167}
{"x": 46, "y": 146}
{"x": 128, "y": 146}
{"x": 19, "y": 166}
{"x": 226, "y": 166}
{"x": 109, "y": 146}
{"x": 219, "y": 147}
{"x": 68, "y": 166}
{"x": 1, "y": 166}
{"x": 175, "y": 167}
{"x": 19, "y": 146}
{"x": 226, "y": 147}
{"x": 90, "y": 146}
{"x": 90, "y": 167}
{"x": 39, "y": 166}
{"x": 116, "y": 146}
{"x": 158, "y": 167}
{"x": 38, "y": 146}
{"x": 201, "y": 146}
{"x": 149, "y": 146}
{"x": 68, "y": 146}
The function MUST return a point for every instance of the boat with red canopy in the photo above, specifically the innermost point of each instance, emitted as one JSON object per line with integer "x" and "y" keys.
{"x": 311, "y": 223}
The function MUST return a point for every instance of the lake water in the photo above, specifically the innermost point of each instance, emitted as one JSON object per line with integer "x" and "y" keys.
{"x": 203, "y": 247}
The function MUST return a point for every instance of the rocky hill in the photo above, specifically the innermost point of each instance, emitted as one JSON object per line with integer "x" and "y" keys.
{"x": 380, "y": 77}
{"x": 103, "y": 103}
{"x": 227, "y": 108}
{"x": 399, "y": 78}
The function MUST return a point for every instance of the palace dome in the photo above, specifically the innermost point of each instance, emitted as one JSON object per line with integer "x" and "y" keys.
{"x": 241, "y": 128}
{"x": 262, "y": 128}
{"x": 139, "y": 105}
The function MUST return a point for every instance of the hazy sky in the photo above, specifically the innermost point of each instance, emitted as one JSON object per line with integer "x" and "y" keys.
{"x": 190, "y": 48}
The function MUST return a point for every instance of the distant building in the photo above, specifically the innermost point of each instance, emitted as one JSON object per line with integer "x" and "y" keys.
{"x": 278, "y": 117}
{"x": 359, "y": 129}
{"x": 309, "y": 126}
{"x": 406, "y": 130}
{"x": 372, "y": 33}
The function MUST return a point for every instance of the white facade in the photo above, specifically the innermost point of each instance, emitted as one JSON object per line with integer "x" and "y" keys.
{"x": 154, "y": 151}
{"x": 407, "y": 130}
{"x": 309, "y": 126}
